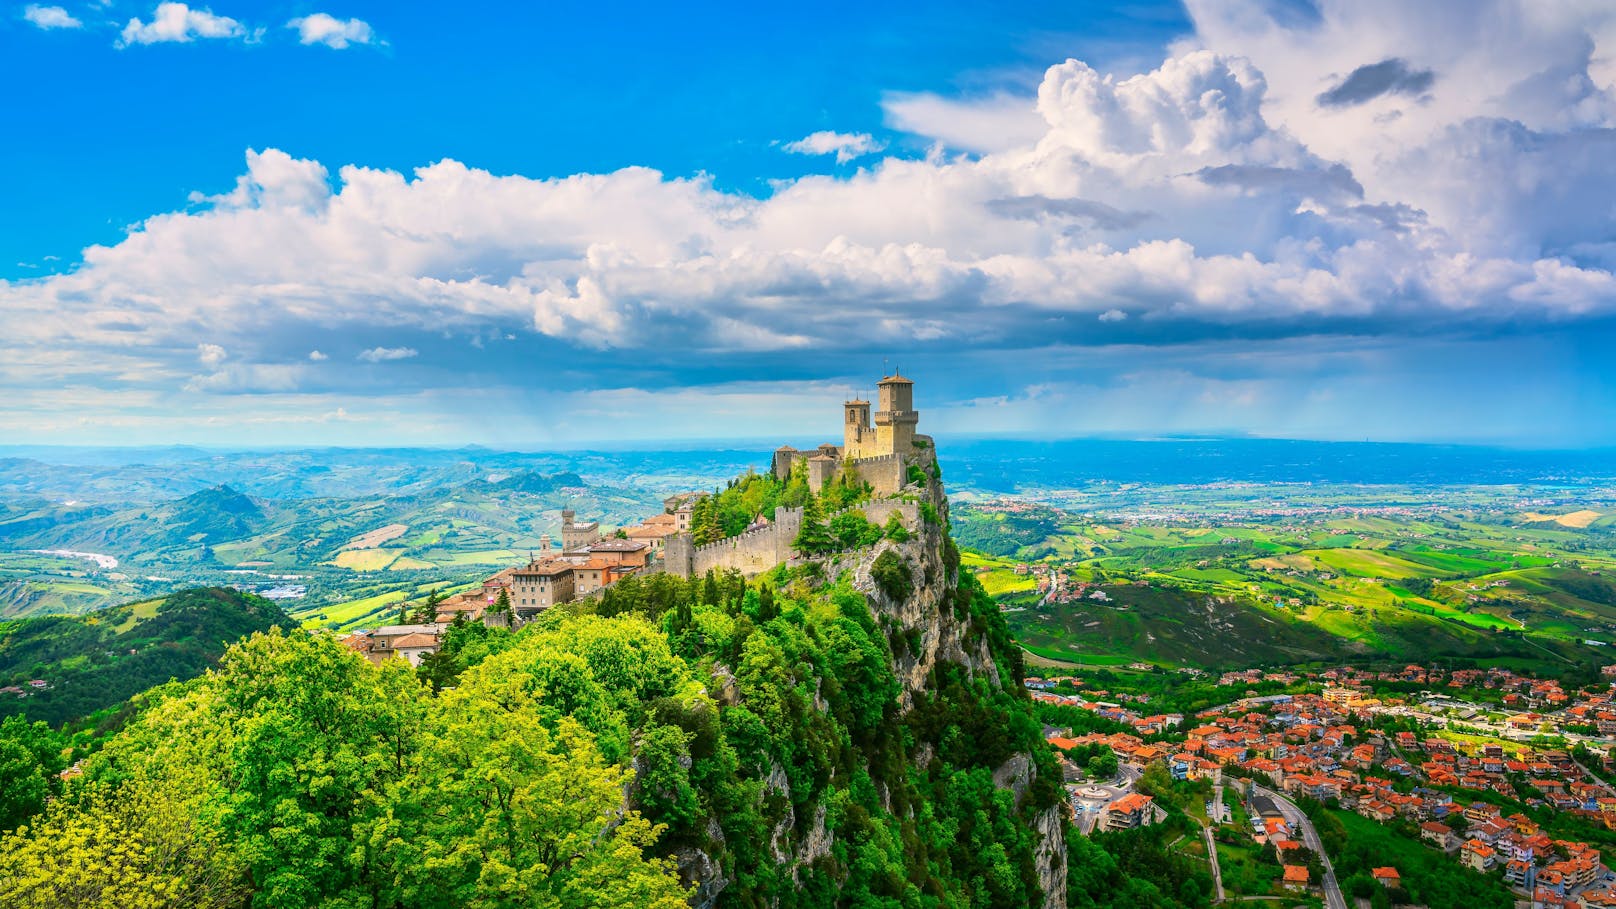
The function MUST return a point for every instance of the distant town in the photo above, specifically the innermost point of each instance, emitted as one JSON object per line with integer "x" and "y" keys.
{"x": 1436, "y": 761}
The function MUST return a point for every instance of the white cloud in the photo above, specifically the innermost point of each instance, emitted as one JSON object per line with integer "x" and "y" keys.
{"x": 386, "y": 354}
{"x": 996, "y": 123}
{"x": 323, "y": 28}
{"x": 1213, "y": 195}
{"x": 316, "y": 356}
{"x": 49, "y": 17}
{"x": 178, "y": 22}
{"x": 845, "y": 146}
{"x": 210, "y": 354}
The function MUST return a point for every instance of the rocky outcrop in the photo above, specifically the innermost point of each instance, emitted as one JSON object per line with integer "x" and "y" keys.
{"x": 934, "y": 627}
{"x": 1050, "y": 857}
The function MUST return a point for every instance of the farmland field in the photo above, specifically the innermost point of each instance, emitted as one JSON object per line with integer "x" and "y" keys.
{"x": 1236, "y": 574}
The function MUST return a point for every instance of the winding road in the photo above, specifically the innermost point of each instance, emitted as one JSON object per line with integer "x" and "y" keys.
{"x": 1310, "y": 838}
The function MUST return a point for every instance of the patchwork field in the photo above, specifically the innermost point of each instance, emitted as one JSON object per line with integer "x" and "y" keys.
{"x": 1230, "y": 576}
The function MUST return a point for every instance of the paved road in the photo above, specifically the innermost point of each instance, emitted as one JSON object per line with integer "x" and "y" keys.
{"x": 1113, "y": 789}
{"x": 1212, "y": 855}
{"x": 1310, "y": 838}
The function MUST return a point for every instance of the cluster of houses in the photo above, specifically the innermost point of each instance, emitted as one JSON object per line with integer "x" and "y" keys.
{"x": 1310, "y": 745}
{"x": 22, "y": 692}
{"x": 585, "y": 562}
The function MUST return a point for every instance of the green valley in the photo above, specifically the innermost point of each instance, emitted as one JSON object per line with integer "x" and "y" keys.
{"x": 1227, "y": 575}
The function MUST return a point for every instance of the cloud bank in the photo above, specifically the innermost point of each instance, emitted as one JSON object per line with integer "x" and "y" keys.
{"x": 1362, "y": 173}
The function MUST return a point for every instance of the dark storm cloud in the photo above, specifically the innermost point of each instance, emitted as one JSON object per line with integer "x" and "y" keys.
{"x": 1333, "y": 181}
{"x": 1101, "y": 215}
{"x": 1370, "y": 81}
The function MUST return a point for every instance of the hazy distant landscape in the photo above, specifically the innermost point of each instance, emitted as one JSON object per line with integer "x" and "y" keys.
{"x": 340, "y": 537}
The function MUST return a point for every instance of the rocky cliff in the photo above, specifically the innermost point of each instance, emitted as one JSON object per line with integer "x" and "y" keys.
{"x": 957, "y": 708}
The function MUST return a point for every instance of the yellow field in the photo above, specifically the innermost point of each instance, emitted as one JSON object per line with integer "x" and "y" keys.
{"x": 1576, "y": 519}
{"x": 407, "y": 563}
{"x": 1000, "y": 581}
{"x": 1284, "y": 562}
{"x": 366, "y": 559}
{"x": 377, "y": 537}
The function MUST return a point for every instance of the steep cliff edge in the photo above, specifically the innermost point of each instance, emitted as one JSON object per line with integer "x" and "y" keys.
{"x": 960, "y": 800}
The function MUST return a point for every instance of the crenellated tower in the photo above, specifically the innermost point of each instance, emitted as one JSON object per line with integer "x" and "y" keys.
{"x": 895, "y": 421}
{"x": 858, "y": 436}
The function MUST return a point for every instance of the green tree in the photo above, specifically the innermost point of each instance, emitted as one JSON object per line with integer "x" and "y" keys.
{"x": 852, "y": 530}
{"x": 814, "y": 537}
{"x": 22, "y": 784}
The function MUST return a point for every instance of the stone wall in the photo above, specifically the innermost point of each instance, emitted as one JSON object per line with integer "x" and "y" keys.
{"x": 757, "y": 551}
{"x": 750, "y": 553}
{"x": 886, "y": 473}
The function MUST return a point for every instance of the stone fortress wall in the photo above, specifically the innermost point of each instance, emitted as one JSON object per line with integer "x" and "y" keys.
{"x": 759, "y": 550}
{"x": 878, "y": 451}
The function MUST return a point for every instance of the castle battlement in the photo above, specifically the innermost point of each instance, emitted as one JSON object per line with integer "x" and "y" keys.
{"x": 877, "y": 448}
{"x": 743, "y": 538}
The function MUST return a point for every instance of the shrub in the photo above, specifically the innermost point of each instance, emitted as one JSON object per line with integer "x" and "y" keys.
{"x": 891, "y": 573}
{"x": 852, "y": 530}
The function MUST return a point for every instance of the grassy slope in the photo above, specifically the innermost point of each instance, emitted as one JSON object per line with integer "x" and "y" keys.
{"x": 104, "y": 658}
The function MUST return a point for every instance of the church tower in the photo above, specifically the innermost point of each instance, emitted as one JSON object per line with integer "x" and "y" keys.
{"x": 895, "y": 420}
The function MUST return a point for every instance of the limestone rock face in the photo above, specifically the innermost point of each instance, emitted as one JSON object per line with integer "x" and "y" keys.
{"x": 926, "y": 617}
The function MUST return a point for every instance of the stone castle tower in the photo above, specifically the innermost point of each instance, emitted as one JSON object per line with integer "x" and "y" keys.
{"x": 893, "y": 431}
{"x": 858, "y": 436}
{"x": 895, "y": 421}
{"x": 876, "y": 446}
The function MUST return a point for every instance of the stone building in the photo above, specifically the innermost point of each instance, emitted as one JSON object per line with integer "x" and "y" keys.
{"x": 878, "y": 447}
{"x": 576, "y": 535}
{"x": 539, "y": 585}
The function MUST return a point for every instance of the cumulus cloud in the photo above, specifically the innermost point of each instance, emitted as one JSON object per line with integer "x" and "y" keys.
{"x": 845, "y": 146}
{"x": 323, "y": 28}
{"x": 1212, "y": 196}
{"x": 386, "y": 354}
{"x": 316, "y": 356}
{"x": 49, "y": 17}
{"x": 995, "y": 123}
{"x": 178, "y": 22}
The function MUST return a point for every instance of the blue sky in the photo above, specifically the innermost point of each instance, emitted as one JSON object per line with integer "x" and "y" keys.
{"x": 540, "y": 224}
{"x": 108, "y": 136}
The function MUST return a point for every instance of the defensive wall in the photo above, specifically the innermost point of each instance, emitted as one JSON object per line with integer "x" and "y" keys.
{"x": 886, "y": 473}
{"x": 757, "y": 551}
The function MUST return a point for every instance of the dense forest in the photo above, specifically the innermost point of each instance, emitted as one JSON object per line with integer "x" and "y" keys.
{"x": 792, "y": 741}
{"x": 95, "y": 661}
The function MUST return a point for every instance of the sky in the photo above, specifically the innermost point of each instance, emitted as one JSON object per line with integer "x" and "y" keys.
{"x": 548, "y": 225}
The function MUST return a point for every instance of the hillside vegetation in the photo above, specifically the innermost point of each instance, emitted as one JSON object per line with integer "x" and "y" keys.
{"x": 823, "y": 736}
{"x": 104, "y": 658}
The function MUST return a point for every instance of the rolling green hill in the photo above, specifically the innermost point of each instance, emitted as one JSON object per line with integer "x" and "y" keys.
{"x": 94, "y": 661}
{"x": 1226, "y": 576}
{"x": 337, "y": 549}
